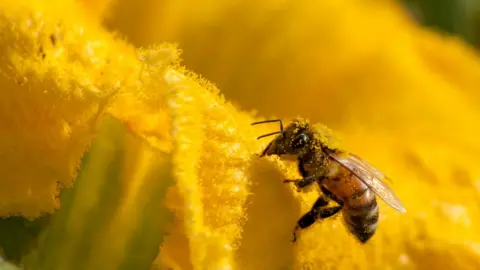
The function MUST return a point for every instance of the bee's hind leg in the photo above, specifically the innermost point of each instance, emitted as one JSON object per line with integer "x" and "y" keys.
{"x": 330, "y": 195}
{"x": 318, "y": 211}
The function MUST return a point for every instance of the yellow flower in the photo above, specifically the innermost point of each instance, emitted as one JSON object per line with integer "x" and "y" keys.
{"x": 58, "y": 78}
{"x": 400, "y": 96}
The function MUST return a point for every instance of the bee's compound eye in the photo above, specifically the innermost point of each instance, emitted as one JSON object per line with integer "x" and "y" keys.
{"x": 300, "y": 141}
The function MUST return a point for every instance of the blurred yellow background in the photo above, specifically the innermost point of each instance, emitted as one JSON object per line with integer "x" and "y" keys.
{"x": 402, "y": 96}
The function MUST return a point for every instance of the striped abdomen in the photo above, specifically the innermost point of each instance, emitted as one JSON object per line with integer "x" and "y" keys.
{"x": 360, "y": 208}
{"x": 361, "y": 216}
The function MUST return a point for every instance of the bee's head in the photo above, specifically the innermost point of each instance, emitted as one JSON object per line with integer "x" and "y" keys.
{"x": 296, "y": 139}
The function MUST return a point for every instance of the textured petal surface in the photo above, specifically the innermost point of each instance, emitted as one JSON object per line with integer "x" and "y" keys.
{"x": 113, "y": 217}
{"x": 402, "y": 97}
{"x": 60, "y": 73}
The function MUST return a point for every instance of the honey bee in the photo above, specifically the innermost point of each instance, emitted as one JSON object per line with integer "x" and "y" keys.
{"x": 343, "y": 177}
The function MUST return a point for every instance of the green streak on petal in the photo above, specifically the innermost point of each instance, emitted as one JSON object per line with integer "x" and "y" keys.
{"x": 143, "y": 246}
{"x": 113, "y": 216}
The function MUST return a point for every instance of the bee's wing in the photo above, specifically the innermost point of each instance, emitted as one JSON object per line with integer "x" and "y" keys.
{"x": 372, "y": 177}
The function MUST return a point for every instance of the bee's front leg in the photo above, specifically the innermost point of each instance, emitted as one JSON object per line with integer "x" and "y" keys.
{"x": 301, "y": 183}
{"x": 307, "y": 179}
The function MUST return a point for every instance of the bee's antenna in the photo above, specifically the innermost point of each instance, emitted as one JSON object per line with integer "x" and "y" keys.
{"x": 270, "y": 121}
{"x": 269, "y": 134}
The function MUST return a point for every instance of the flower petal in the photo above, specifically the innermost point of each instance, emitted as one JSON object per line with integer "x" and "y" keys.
{"x": 113, "y": 216}
{"x": 60, "y": 73}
